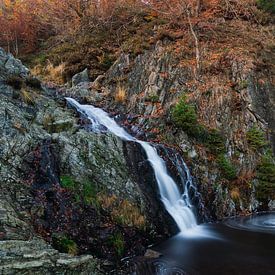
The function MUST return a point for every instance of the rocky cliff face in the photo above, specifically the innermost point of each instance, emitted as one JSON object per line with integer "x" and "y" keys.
{"x": 234, "y": 101}
{"x": 64, "y": 184}
{"x": 22, "y": 250}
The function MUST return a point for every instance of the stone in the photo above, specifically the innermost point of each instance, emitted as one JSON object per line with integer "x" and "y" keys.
{"x": 271, "y": 205}
{"x": 80, "y": 78}
{"x": 152, "y": 254}
{"x": 10, "y": 66}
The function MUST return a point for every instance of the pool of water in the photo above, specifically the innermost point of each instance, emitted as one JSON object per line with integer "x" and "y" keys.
{"x": 244, "y": 245}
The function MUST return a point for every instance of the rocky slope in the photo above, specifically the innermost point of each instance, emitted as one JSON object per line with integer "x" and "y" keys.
{"x": 22, "y": 250}
{"x": 63, "y": 184}
{"x": 235, "y": 115}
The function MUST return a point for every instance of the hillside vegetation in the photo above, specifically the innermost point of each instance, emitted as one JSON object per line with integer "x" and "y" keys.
{"x": 59, "y": 38}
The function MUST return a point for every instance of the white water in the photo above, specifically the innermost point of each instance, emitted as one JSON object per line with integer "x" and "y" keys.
{"x": 178, "y": 205}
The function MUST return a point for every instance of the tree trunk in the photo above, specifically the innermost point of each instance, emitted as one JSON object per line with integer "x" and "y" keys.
{"x": 197, "y": 70}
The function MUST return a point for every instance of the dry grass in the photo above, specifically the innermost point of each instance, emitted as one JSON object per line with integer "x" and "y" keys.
{"x": 122, "y": 211}
{"x": 50, "y": 72}
{"x": 235, "y": 194}
{"x": 27, "y": 97}
{"x": 121, "y": 94}
{"x": 48, "y": 120}
{"x": 19, "y": 127}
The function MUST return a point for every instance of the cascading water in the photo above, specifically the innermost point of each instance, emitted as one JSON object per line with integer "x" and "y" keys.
{"x": 178, "y": 205}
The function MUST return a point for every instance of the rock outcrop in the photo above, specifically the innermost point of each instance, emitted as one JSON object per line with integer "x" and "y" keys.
{"x": 9, "y": 66}
{"x": 80, "y": 78}
{"x": 154, "y": 81}
{"x": 62, "y": 184}
{"x": 22, "y": 250}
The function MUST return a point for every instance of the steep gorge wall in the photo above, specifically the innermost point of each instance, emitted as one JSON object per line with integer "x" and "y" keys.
{"x": 231, "y": 98}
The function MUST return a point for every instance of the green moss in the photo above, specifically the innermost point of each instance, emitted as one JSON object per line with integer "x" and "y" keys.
{"x": 228, "y": 169}
{"x": 153, "y": 98}
{"x": 85, "y": 192}
{"x": 118, "y": 243}
{"x": 212, "y": 139}
{"x": 243, "y": 84}
{"x": 256, "y": 138}
{"x": 89, "y": 194}
{"x": 184, "y": 116}
{"x": 266, "y": 176}
{"x": 67, "y": 182}
{"x": 64, "y": 244}
{"x": 267, "y": 5}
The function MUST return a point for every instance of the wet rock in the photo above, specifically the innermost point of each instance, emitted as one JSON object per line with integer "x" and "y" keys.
{"x": 143, "y": 174}
{"x": 80, "y": 78}
{"x": 271, "y": 205}
{"x": 152, "y": 254}
{"x": 36, "y": 257}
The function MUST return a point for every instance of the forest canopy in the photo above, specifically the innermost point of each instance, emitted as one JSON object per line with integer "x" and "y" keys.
{"x": 25, "y": 23}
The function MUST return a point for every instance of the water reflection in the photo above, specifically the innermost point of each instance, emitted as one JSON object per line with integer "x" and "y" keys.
{"x": 220, "y": 249}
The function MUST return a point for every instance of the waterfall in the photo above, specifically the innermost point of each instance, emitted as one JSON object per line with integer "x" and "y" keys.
{"x": 178, "y": 205}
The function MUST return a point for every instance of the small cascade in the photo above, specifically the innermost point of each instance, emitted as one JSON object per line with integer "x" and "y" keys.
{"x": 190, "y": 193}
{"x": 178, "y": 205}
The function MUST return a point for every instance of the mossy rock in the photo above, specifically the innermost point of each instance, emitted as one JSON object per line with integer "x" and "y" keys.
{"x": 64, "y": 244}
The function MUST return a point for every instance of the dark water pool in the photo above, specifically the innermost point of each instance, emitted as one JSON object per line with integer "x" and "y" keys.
{"x": 238, "y": 246}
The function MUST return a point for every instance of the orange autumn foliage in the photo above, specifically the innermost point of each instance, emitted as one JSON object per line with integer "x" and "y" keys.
{"x": 25, "y": 23}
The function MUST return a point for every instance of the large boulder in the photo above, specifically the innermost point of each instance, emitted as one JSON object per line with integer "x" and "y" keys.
{"x": 80, "y": 78}
{"x": 11, "y": 67}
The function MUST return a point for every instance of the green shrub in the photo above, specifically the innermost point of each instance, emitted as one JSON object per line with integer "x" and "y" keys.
{"x": 256, "y": 138}
{"x": 212, "y": 139}
{"x": 267, "y": 5}
{"x": 184, "y": 116}
{"x": 67, "y": 182}
{"x": 64, "y": 244}
{"x": 83, "y": 192}
{"x": 118, "y": 243}
{"x": 266, "y": 176}
{"x": 216, "y": 142}
{"x": 228, "y": 170}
